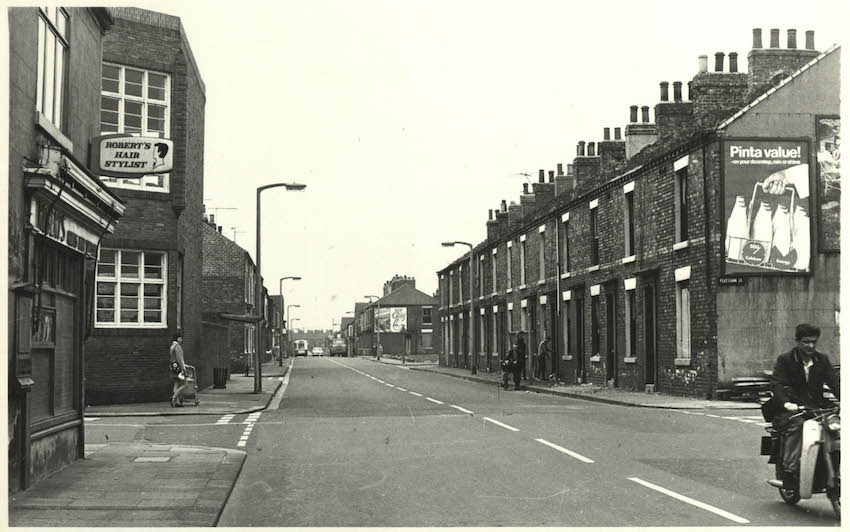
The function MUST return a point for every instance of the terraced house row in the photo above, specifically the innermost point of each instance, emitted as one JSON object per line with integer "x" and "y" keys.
{"x": 675, "y": 255}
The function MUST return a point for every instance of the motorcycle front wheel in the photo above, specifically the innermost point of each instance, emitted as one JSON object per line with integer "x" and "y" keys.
{"x": 790, "y": 496}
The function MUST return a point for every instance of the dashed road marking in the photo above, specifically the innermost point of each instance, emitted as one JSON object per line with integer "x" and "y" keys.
{"x": 501, "y": 424}
{"x": 566, "y": 451}
{"x": 225, "y": 419}
{"x": 462, "y": 409}
{"x": 416, "y": 394}
{"x": 694, "y": 502}
{"x": 435, "y": 401}
{"x": 400, "y": 388}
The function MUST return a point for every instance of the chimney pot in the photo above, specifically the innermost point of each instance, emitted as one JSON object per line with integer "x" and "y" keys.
{"x": 580, "y": 149}
{"x": 756, "y": 37}
{"x": 664, "y": 86}
{"x": 677, "y": 91}
{"x": 733, "y": 61}
{"x": 212, "y": 219}
{"x": 525, "y": 188}
{"x": 490, "y": 214}
{"x": 504, "y": 205}
{"x": 774, "y": 38}
{"x": 703, "y": 63}
{"x": 810, "y": 40}
{"x": 617, "y": 131}
{"x": 690, "y": 91}
{"x": 633, "y": 114}
{"x": 560, "y": 169}
{"x": 570, "y": 169}
{"x": 792, "y": 38}
{"x": 606, "y": 133}
{"x": 591, "y": 149}
{"x": 219, "y": 229}
{"x": 541, "y": 175}
{"x": 551, "y": 176}
{"x": 718, "y": 61}
{"x": 644, "y": 111}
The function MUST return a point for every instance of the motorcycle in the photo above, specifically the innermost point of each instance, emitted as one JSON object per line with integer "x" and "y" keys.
{"x": 820, "y": 458}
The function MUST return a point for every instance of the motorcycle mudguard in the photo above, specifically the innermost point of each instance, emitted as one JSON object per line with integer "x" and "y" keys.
{"x": 809, "y": 456}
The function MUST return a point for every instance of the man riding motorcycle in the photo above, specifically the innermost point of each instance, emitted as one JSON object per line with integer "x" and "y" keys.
{"x": 798, "y": 380}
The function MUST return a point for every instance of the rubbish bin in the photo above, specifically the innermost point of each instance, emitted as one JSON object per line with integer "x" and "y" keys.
{"x": 220, "y": 377}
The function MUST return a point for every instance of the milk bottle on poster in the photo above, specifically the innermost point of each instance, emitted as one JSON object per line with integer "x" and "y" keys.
{"x": 737, "y": 231}
{"x": 762, "y": 230}
{"x": 782, "y": 238}
{"x": 801, "y": 238}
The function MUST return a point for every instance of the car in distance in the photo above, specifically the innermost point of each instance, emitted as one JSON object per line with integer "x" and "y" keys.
{"x": 338, "y": 348}
{"x": 317, "y": 351}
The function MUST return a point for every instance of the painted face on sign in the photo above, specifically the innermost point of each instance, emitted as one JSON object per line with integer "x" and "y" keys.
{"x": 160, "y": 152}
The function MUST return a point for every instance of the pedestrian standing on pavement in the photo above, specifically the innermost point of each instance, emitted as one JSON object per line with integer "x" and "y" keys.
{"x": 178, "y": 370}
{"x": 509, "y": 368}
{"x": 379, "y": 351}
{"x": 521, "y": 356}
{"x": 542, "y": 357}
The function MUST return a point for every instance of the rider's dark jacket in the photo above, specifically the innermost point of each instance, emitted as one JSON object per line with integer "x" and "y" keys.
{"x": 789, "y": 380}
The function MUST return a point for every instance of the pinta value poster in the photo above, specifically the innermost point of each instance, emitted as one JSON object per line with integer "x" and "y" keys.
{"x": 767, "y": 206}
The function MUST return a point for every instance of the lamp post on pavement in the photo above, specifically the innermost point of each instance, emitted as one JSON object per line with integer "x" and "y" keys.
{"x": 378, "y": 348}
{"x": 258, "y": 288}
{"x": 282, "y": 308}
{"x": 474, "y": 368}
{"x": 289, "y": 323}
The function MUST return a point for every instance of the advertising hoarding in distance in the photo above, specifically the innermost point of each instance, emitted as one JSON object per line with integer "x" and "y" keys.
{"x": 829, "y": 182}
{"x": 766, "y": 206}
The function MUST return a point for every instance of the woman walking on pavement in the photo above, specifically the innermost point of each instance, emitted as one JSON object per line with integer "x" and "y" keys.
{"x": 178, "y": 370}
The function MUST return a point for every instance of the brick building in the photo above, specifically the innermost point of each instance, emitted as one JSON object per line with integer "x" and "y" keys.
{"x": 405, "y": 316}
{"x": 58, "y": 212}
{"x": 228, "y": 288}
{"x": 149, "y": 270}
{"x": 659, "y": 260}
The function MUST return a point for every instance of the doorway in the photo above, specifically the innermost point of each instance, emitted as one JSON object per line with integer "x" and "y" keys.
{"x": 581, "y": 374}
{"x": 649, "y": 333}
{"x": 555, "y": 334}
{"x": 611, "y": 338}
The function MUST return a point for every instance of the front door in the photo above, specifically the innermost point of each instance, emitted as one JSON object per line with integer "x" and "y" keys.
{"x": 649, "y": 332}
{"x": 555, "y": 344}
{"x": 581, "y": 375}
{"x": 611, "y": 337}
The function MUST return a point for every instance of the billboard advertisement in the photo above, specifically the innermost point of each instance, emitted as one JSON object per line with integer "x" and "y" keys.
{"x": 391, "y": 319}
{"x": 829, "y": 182}
{"x": 766, "y": 207}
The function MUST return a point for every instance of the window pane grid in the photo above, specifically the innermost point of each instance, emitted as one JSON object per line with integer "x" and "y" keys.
{"x": 132, "y": 297}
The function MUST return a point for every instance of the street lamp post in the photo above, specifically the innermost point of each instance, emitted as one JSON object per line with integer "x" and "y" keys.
{"x": 378, "y": 347}
{"x": 289, "y": 322}
{"x": 258, "y": 288}
{"x": 282, "y": 308}
{"x": 472, "y": 331}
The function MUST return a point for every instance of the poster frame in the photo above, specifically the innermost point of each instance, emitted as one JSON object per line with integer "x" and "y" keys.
{"x": 819, "y": 188}
{"x": 722, "y": 209}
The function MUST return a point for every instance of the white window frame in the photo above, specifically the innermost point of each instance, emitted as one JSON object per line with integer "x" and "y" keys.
{"x": 522, "y": 262}
{"x": 541, "y": 253}
{"x": 141, "y": 280}
{"x": 451, "y": 286}
{"x": 628, "y": 222}
{"x": 681, "y": 210}
{"x": 683, "y": 320}
{"x": 482, "y": 331}
{"x": 493, "y": 258}
{"x": 510, "y": 266}
{"x": 494, "y": 345}
{"x": 481, "y": 276}
{"x": 53, "y": 24}
{"x": 153, "y": 182}
{"x": 565, "y": 259}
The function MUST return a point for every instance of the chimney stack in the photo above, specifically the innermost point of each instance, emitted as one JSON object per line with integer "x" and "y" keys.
{"x": 212, "y": 219}
{"x": 611, "y": 152}
{"x": 774, "y": 38}
{"x": 639, "y": 135}
{"x": 718, "y": 61}
{"x": 672, "y": 116}
{"x": 756, "y": 38}
{"x": 664, "y": 85}
{"x": 768, "y": 66}
{"x": 792, "y": 38}
{"x": 492, "y": 226}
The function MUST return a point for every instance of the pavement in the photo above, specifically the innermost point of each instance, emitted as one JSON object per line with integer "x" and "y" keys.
{"x": 139, "y": 483}
{"x": 588, "y": 392}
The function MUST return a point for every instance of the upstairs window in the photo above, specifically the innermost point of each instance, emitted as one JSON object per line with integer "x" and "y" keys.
{"x": 541, "y": 255}
{"x": 510, "y": 266}
{"x": 594, "y": 235}
{"x": 629, "y": 221}
{"x": 135, "y": 101}
{"x": 681, "y": 204}
{"x": 565, "y": 247}
{"x": 493, "y": 272}
{"x": 426, "y": 316}
{"x": 522, "y": 261}
{"x": 52, "y": 55}
{"x": 481, "y": 276}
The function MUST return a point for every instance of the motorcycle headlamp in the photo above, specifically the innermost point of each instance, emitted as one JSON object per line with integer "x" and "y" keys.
{"x": 833, "y": 423}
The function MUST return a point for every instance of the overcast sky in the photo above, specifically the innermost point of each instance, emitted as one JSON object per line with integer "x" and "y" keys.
{"x": 407, "y": 120}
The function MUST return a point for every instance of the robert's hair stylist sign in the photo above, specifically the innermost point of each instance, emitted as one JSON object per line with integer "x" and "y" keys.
{"x": 126, "y": 156}
{"x": 766, "y": 206}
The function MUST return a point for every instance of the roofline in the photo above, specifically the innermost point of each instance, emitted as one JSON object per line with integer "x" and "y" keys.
{"x": 781, "y": 84}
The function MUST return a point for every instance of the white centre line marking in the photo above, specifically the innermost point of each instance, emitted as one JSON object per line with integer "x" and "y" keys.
{"x": 566, "y": 451}
{"x": 461, "y": 409}
{"x": 501, "y": 424}
{"x": 416, "y": 394}
{"x": 711, "y": 415}
{"x": 390, "y": 385}
{"x": 379, "y": 380}
{"x": 435, "y": 401}
{"x": 400, "y": 388}
{"x": 698, "y": 504}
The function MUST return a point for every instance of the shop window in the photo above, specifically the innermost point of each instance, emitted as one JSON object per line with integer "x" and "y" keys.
{"x": 135, "y": 101}
{"x": 683, "y": 320}
{"x": 681, "y": 204}
{"x": 52, "y": 56}
{"x": 131, "y": 288}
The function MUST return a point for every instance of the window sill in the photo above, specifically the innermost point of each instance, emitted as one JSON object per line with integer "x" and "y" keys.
{"x": 53, "y": 131}
{"x": 523, "y": 286}
{"x": 509, "y": 290}
{"x": 596, "y": 358}
{"x": 541, "y": 281}
{"x": 567, "y": 357}
{"x": 630, "y": 258}
{"x": 630, "y": 360}
{"x": 480, "y": 298}
{"x": 565, "y": 275}
{"x": 593, "y": 268}
{"x": 680, "y": 245}
{"x": 494, "y": 294}
{"x": 682, "y": 361}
